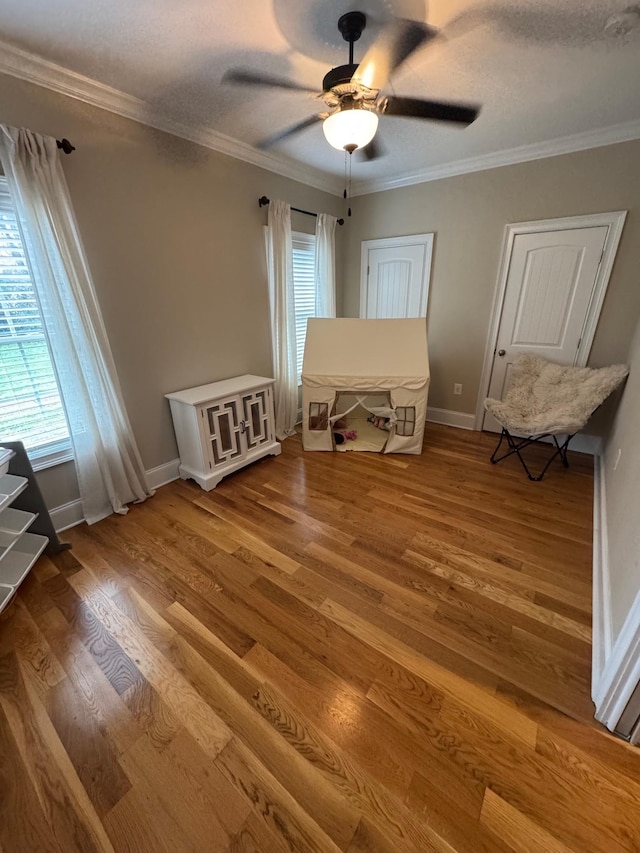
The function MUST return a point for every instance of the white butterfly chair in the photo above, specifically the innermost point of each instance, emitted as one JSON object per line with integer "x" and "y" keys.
{"x": 548, "y": 400}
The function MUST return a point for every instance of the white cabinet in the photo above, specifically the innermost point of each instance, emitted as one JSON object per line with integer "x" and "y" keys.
{"x": 223, "y": 426}
{"x": 18, "y": 549}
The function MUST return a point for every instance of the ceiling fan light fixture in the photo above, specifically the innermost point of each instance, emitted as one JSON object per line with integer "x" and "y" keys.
{"x": 349, "y": 129}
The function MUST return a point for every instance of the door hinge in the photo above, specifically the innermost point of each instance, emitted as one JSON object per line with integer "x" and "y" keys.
{"x": 368, "y": 270}
{"x": 579, "y": 342}
{"x": 210, "y": 465}
{"x": 202, "y": 413}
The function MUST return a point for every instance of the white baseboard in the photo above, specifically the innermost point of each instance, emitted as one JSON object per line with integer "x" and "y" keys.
{"x": 448, "y": 417}
{"x": 580, "y": 443}
{"x": 163, "y": 474}
{"x": 69, "y": 514}
{"x": 621, "y": 673}
{"x": 584, "y": 443}
{"x": 602, "y": 634}
{"x": 615, "y": 669}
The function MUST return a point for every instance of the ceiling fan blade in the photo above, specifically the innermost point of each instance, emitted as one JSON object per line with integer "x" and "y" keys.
{"x": 396, "y": 43}
{"x": 372, "y": 150}
{"x": 289, "y": 131}
{"x": 436, "y": 110}
{"x": 255, "y": 78}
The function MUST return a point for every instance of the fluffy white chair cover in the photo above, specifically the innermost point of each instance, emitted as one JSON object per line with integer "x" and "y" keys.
{"x": 552, "y": 398}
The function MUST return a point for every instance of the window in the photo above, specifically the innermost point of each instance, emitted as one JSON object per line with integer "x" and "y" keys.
{"x": 406, "y": 424}
{"x": 304, "y": 287}
{"x": 30, "y": 407}
{"x": 318, "y": 416}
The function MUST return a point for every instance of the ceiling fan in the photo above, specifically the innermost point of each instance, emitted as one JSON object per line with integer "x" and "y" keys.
{"x": 351, "y": 92}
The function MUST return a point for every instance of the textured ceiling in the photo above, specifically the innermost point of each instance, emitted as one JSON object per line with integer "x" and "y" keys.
{"x": 542, "y": 69}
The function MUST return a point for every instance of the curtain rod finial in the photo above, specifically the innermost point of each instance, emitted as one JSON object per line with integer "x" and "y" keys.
{"x": 65, "y": 145}
{"x": 262, "y": 201}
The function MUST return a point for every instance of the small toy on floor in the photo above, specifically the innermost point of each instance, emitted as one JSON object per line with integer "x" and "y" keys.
{"x": 349, "y": 434}
{"x": 342, "y": 435}
{"x": 380, "y": 423}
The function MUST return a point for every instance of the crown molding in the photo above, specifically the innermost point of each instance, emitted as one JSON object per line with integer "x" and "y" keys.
{"x": 34, "y": 69}
{"x": 509, "y": 157}
{"x": 27, "y": 66}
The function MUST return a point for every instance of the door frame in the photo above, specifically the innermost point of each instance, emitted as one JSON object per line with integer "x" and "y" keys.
{"x": 614, "y": 221}
{"x": 425, "y": 240}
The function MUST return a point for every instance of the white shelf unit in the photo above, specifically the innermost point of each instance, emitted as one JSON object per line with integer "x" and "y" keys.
{"x": 223, "y": 426}
{"x": 13, "y": 523}
{"x": 10, "y": 488}
{"x": 18, "y": 549}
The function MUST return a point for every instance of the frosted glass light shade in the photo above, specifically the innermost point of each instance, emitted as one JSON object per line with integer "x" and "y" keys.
{"x": 350, "y": 129}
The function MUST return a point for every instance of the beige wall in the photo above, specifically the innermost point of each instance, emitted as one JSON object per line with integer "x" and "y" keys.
{"x": 173, "y": 234}
{"x": 622, "y": 491}
{"x": 468, "y": 215}
{"x": 59, "y": 484}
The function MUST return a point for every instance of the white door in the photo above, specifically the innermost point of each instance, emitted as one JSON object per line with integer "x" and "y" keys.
{"x": 550, "y": 284}
{"x": 395, "y": 275}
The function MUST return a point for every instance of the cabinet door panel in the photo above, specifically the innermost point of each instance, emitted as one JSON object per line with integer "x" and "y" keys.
{"x": 255, "y": 410}
{"x": 222, "y": 423}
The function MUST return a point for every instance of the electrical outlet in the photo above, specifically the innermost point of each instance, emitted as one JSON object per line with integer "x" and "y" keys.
{"x": 618, "y": 455}
{"x": 457, "y": 388}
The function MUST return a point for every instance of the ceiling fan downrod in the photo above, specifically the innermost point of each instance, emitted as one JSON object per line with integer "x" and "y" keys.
{"x": 351, "y": 26}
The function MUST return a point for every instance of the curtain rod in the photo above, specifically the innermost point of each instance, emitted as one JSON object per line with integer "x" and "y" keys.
{"x": 263, "y": 201}
{"x": 65, "y": 145}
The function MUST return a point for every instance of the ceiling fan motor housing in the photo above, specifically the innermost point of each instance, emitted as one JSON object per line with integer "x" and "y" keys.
{"x": 339, "y": 76}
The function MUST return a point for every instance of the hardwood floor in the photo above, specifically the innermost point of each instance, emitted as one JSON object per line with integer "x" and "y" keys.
{"x": 328, "y": 652}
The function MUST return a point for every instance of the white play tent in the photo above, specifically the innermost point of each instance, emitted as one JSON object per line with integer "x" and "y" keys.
{"x": 381, "y": 366}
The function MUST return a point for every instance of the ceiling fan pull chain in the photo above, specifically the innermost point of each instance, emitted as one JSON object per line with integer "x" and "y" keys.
{"x": 345, "y": 194}
{"x": 347, "y": 180}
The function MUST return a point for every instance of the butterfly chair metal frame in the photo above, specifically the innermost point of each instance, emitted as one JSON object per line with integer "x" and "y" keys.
{"x": 516, "y": 445}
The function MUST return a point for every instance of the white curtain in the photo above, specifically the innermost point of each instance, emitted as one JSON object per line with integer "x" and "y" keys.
{"x": 325, "y": 265}
{"x": 109, "y": 468}
{"x": 283, "y": 317}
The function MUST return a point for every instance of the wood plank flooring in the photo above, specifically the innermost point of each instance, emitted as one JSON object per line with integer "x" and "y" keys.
{"x": 329, "y": 652}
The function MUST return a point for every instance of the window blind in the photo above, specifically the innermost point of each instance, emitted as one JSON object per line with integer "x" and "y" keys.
{"x": 30, "y": 407}
{"x": 304, "y": 264}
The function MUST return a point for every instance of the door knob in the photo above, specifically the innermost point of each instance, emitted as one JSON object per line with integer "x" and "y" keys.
{"x": 502, "y": 352}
